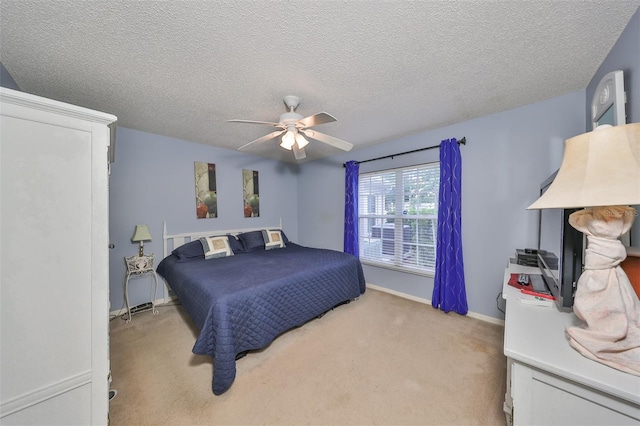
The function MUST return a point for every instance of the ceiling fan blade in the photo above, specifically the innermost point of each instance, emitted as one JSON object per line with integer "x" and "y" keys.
{"x": 338, "y": 143}
{"x": 298, "y": 153}
{"x": 255, "y": 122}
{"x": 264, "y": 138}
{"x": 315, "y": 119}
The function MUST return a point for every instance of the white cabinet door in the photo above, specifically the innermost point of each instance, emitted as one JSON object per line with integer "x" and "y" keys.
{"x": 540, "y": 398}
{"x": 53, "y": 262}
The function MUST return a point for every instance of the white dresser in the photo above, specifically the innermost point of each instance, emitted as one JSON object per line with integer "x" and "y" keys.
{"x": 54, "y": 304}
{"x": 549, "y": 382}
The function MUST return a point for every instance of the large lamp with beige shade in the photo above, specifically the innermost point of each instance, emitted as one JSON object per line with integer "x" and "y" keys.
{"x": 601, "y": 171}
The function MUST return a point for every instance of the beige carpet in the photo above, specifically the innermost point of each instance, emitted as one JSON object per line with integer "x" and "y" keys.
{"x": 381, "y": 360}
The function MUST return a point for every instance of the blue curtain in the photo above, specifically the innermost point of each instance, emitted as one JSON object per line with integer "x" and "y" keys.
{"x": 449, "y": 288}
{"x": 351, "y": 208}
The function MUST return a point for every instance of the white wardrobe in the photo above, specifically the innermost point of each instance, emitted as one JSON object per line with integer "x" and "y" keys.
{"x": 54, "y": 230}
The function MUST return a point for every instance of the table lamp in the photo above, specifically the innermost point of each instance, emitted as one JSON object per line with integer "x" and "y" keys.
{"x": 141, "y": 234}
{"x": 600, "y": 170}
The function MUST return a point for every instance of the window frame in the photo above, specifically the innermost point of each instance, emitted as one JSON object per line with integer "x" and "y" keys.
{"x": 374, "y": 248}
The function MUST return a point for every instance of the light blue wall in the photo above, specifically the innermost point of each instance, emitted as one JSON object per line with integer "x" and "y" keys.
{"x": 506, "y": 158}
{"x": 6, "y": 80}
{"x": 152, "y": 180}
{"x": 625, "y": 56}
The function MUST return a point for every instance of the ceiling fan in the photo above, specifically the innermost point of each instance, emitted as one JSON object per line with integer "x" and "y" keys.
{"x": 294, "y": 128}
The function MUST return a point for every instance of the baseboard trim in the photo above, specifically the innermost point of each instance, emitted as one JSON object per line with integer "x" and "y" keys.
{"x": 471, "y": 314}
{"x": 475, "y": 315}
{"x": 123, "y": 310}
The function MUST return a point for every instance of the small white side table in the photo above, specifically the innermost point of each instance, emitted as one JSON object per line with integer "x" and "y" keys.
{"x": 138, "y": 266}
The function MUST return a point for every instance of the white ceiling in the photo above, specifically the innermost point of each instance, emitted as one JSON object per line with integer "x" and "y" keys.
{"x": 384, "y": 69}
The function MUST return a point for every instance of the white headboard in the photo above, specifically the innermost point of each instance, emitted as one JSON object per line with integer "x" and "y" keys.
{"x": 173, "y": 241}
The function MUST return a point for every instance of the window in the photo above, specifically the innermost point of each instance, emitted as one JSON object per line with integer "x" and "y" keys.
{"x": 398, "y": 216}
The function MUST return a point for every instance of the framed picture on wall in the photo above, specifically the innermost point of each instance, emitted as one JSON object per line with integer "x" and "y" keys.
{"x": 607, "y": 105}
{"x": 251, "y": 193}
{"x": 206, "y": 193}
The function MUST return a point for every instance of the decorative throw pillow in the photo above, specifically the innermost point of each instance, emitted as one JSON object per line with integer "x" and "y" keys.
{"x": 272, "y": 239}
{"x": 235, "y": 244}
{"x": 251, "y": 240}
{"x": 284, "y": 237}
{"x": 189, "y": 251}
{"x": 216, "y": 247}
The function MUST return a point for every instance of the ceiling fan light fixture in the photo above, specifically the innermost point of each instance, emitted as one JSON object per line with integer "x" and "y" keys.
{"x": 294, "y": 130}
{"x": 301, "y": 141}
{"x": 288, "y": 140}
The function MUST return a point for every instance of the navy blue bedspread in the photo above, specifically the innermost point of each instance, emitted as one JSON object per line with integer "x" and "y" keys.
{"x": 243, "y": 302}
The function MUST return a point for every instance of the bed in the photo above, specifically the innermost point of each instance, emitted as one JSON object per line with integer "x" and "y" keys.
{"x": 243, "y": 288}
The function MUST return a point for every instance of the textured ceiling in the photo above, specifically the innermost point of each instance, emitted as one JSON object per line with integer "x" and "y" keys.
{"x": 384, "y": 69}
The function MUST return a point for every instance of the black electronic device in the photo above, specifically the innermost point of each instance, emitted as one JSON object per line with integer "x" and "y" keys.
{"x": 560, "y": 251}
{"x": 526, "y": 259}
{"x": 538, "y": 284}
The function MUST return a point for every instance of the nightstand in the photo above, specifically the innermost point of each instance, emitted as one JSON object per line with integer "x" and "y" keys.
{"x": 138, "y": 266}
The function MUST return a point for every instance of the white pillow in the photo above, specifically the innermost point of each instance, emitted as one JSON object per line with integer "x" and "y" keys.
{"x": 216, "y": 247}
{"x": 272, "y": 239}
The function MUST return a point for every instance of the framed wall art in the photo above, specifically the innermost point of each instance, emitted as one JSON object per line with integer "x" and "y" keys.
{"x": 206, "y": 193}
{"x": 251, "y": 193}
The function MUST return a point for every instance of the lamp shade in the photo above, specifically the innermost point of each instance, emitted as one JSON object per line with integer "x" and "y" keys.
{"x": 301, "y": 141}
{"x": 141, "y": 234}
{"x": 599, "y": 168}
{"x": 288, "y": 140}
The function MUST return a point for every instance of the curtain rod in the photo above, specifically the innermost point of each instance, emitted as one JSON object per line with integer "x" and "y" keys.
{"x": 462, "y": 141}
